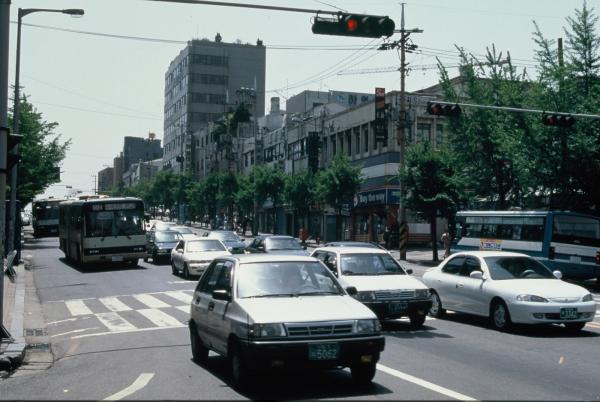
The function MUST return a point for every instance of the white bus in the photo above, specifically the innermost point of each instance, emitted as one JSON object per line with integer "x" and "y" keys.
{"x": 45, "y": 217}
{"x": 564, "y": 241}
{"x": 103, "y": 230}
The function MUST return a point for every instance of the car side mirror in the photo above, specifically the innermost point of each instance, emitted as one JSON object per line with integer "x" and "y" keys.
{"x": 557, "y": 274}
{"x": 352, "y": 291}
{"x": 476, "y": 275}
{"x": 409, "y": 271}
{"x": 221, "y": 294}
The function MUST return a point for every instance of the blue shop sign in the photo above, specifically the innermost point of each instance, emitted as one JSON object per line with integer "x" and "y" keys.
{"x": 376, "y": 197}
{"x": 393, "y": 196}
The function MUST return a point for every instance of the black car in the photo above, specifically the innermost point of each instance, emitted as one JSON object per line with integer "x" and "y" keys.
{"x": 160, "y": 244}
{"x": 276, "y": 244}
{"x": 353, "y": 244}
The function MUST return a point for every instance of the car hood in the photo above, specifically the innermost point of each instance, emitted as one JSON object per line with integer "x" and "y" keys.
{"x": 381, "y": 282}
{"x": 204, "y": 255}
{"x": 548, "y": 288}
{"x": 304, "y": 309}
{"x": 289, "y": 252}
{"x": 165, "y": 244}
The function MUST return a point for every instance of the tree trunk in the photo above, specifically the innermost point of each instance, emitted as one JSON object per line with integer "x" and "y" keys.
{"x": 274, "y": 219}
{"x": 433, "y": 231}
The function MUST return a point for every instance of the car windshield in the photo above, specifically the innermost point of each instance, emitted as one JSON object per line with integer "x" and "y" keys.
{"x": 281, "y": 279}
{"x": 167, "y": 236}
{"x": 502, "y": 268}
{"x": 224, "y": 236}
{"x": 205, "y": 245}
{"x": 282, "y": 244}
{"x": 370, "y": 264}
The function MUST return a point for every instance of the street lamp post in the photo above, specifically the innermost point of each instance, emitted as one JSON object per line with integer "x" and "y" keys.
{"x": 13, "y": 173}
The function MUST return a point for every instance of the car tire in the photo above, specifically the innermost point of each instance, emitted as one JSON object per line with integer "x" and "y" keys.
{"x": 155, "y": 259}
{"x": 186, "y": 272}
{"x": 417, "y": 320}
{"x": 145, "y": 259}
{"x": 239, "y": 369}
{"x": 436, "y": 309}
{"x": 363, "y": 373}
{"x": 174, "y": 269}
{"x": 574, "y": 326}
{"x": 500, "y": 316}
{"x": 199, "y": 351}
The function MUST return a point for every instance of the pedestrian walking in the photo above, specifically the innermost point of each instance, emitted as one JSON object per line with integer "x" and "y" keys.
{"x": 446, "y": 241}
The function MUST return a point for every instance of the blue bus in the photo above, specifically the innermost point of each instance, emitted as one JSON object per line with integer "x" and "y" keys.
{"x": 564, "y": 241}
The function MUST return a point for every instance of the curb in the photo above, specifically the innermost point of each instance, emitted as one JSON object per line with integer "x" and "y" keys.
{"x": 12, "y": 356}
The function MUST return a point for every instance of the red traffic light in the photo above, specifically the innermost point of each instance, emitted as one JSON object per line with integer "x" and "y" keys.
{"x": 351, "y": 24}
{"x": 557, "y": 120}
{"x": 344, "y": 24}
{"x": 438, "y": 109}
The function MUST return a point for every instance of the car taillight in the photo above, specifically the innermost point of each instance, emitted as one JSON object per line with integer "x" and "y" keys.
{"x": 551, "y": 253}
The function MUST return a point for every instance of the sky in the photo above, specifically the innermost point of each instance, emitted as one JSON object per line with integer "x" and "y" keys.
{"x": 108, "y": 83}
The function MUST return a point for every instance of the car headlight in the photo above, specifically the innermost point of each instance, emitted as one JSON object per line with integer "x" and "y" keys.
{"x": 422, "y": 293}
{"x": 365, "y": 296}
{"x": 267, "y": 330}
{"x": 587, "y": 297}
{"x": 367, "y": 326}
{"x": 532, "y": 298}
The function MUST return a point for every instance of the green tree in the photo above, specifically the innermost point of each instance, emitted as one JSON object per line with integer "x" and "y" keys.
{"x": 300, "y": 193}
{"x": 41, "y": 152}
{"x": 269, "y": 184}
{"x": 337, "y": 185}
{"x": 431, "y": 186}
{"x": 244, "y": 198}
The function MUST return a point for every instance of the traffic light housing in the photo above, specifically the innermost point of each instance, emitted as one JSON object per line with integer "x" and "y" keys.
{"x": 12, "y": 154}
{"x": 557, "y": 120}
{"x": 439, "y": 109}
{"x": 361, "y": 25}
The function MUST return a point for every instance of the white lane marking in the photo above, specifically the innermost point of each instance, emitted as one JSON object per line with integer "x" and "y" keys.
{"x": 67, "y": 320}
{"x": 425, "y": 384}
{"x": 76, "y": 331}
{"x": 126, "y": 332}
{"x": 151, "y": 301}
{"x": 159, "y": 318}
{"x": 150, "y": 293}
{"x": 114, "y": 304}
{"x": 78, "y": 307}
{"x": 184, "y": 297}
{"x": 138, "y": 384}
{"x": 114, "y": 322}
{"x": 185, "y": 309}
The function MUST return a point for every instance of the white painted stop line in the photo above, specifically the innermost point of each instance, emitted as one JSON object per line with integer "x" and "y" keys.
{"x": 138, "y": 384}
{"x": 425, "y": 384}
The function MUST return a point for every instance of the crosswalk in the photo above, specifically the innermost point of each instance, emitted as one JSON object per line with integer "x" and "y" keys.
{"x": 126, "y": 313}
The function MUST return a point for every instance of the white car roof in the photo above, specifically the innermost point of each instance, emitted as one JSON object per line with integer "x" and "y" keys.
{"x": 489, "y": 253}
{"x": 353, "y": 250}
{"x": 259, "y": 257}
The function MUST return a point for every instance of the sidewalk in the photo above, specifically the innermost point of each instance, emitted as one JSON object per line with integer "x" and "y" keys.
{"x": 12, "y": 350}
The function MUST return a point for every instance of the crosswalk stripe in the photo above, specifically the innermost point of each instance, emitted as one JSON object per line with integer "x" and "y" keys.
{"x": 159, "y": 318}
{"x": 114, "y": 322}
{"x": 114, "y": 304}
{"x": 185, "y": 309}
{"x": 78, "y": 307}
{"x": 184, "y": 297}
{"x": 151, "y": 301}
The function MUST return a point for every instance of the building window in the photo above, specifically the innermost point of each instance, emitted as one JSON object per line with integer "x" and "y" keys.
{"x": 423, "y": 132}
{"x": 357, "y": 140}
{"x": 366, "y": 138}
{"x": 333, "y": 146}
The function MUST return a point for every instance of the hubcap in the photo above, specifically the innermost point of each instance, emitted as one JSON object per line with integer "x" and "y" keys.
{"x": 435, "y": 304}
{"x": 500, "y": 316}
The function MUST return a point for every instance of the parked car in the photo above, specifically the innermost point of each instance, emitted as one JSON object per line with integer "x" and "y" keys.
{"x": 383, "y": 284}
{"x": 276, "y": 244}
{"x": 230, "y": 239}
{"x": 192, "y": 256}
{"x": 353, "y": 244}
{"x": 160, "y": 244}
{"x": 508, "y": 288}
{"x": 185, "y": 231}
{"x": 281, "y": 312}
{"x": 161, "y": 226}
{"x": 25, "y": 219}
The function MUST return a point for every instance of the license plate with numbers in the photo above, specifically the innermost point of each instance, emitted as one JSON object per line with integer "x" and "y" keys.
{"x": 323, "y": 351}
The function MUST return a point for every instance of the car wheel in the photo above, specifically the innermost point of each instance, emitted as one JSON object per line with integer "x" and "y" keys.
{"x": 574, "y": 326}
{"x": 199, "y": 351}
{"x": 436, "y": 309}
{"x": 500, "y": 316}
{"x": 362, "y": 374}
{"x": 239, "y": 369}
{"x": 155, "y": 258}
{"x": 417, "y": 320}
{"x": 174, "y": 270}
{"x": 186, "y": 272}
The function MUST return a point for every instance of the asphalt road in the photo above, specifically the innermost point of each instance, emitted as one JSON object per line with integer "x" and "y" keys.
{"x": 120, "y": 333}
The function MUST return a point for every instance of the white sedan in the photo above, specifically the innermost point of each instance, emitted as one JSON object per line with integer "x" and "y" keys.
{"x": 508, "y": 288}
{"x": 192, "y": 256}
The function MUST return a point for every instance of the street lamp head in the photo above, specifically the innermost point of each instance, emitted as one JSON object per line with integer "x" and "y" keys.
{"x": 74, "y": 12}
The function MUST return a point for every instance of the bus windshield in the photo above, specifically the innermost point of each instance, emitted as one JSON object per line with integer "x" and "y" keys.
{"x": 45, "y": 211}
{"x": 114, "y": 223}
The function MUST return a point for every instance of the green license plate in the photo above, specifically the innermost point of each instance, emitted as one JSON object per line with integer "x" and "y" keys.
{"x": 398, "y": 307}
{"x": 568, "y": 313}
{"x": 323, "y": 351}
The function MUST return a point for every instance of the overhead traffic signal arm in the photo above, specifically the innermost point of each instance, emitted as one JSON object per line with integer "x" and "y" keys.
{"x": 361, "y": 25}
{"x": 439, "y": 109}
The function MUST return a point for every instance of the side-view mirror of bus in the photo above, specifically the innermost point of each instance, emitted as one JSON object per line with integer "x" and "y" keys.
{"x": 557, "y": 274}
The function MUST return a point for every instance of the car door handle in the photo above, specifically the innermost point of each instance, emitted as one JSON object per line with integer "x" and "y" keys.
{"x": 211, "y": 306}
{"x": 459, "y": 285}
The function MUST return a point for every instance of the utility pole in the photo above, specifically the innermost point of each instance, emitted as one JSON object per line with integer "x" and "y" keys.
{"x": 401, "y": 129}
